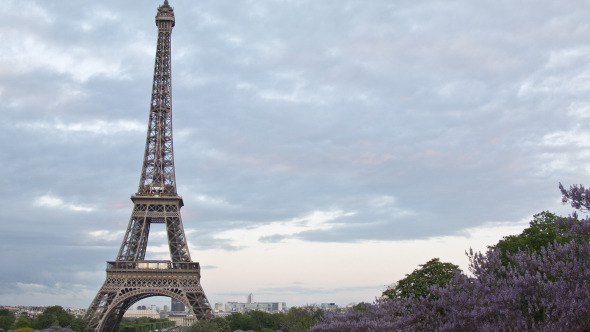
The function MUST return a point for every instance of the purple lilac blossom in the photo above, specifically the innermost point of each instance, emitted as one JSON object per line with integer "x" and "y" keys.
{"x": 538, "y": 291}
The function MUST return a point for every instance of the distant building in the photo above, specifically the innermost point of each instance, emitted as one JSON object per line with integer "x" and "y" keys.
{"x": 218, "y": 306}
{"x": 177, "y": 306}
{"x": 143, "y": 311}
{"x": 259, "y": 306}
{"x": 250, "y": 305}
{"x": 327, "y": 306}
{"x": 182, "y": 319}
{"x": 222, "y": 314}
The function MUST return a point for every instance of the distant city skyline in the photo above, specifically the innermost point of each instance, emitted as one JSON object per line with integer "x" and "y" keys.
{"x": 323, "y": 149}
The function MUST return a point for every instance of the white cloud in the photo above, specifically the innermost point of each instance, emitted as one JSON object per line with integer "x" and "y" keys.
{"x": 99, "y": 127}
{"x": 99, "y": 16}
{"x": 57, "y": 293}
{"x": 382, "y": 201}
{"x": 159, "y": 249}
{"x": 565, "y": 72}
{"x": 567, "y": 57}
{"x": 209, "y": 19}
{"x": 580, "y": 110}
{"x": 28, "y": 9}
{"x": 576, "y": 138}
{"x": 55, "y": 202}
{"x": 317, "y": 220}
{"x": 233, "y": 41}
{"x": 31, "y": 287}
{"x": 106, "y": 235}
{"x": 209, "y": 200}
{"x": 23, "y": 56}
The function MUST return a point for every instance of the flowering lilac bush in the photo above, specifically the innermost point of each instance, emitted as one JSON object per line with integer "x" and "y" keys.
{"x": 577, "y": 196}
{"x": 544, "y": 290}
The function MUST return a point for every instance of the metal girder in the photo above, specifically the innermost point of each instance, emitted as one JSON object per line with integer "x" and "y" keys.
{"x": 160, "y": 210}
{"x": 157, "y": 174}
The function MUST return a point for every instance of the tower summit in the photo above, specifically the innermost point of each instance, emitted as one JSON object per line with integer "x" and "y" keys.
{"x": 131, "y": 278}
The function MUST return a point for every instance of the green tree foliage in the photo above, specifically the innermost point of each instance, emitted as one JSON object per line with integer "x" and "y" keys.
{"x": 44, "y": 321}
{"x": 301, "y": 319}
{"x": 25, "y": 329}
{"x": 296, "y": 320}
{"x": 6, "y": 319}
{"x": 52, "y": 316}
{"x": 264, "y": 320}
{"x": 22, "y": 322}
{"x": 213, "y": 325}
{"x": 240, "y": 321}
{"x": 144, "y": 324}
{"x": 418, "y": 283}
{"x": 78, "y": 325}
{"x": 542, "y": 230}
{"x": 360, "y": 307}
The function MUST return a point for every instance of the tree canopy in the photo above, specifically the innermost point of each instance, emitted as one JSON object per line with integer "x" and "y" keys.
{"x": 52, "y": 316}
{"x": 542, "y": 231}
{"x": 295, "y": 320}
{"x": 419, "y": 282}
{"x": 6, "y": 319}
{"x": 22, "y": 322}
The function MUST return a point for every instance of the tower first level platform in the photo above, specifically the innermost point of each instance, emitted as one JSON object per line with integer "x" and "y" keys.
{"x": 130, "y": 281}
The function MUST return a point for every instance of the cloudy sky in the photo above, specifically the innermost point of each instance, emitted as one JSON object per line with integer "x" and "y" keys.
{"x": 323, "y": 148}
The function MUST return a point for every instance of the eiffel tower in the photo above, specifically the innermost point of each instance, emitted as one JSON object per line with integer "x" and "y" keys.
{"x": 131, "y": 278}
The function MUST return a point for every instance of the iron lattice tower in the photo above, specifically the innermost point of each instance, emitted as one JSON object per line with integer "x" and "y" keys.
{"x": 130, "y": 277}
